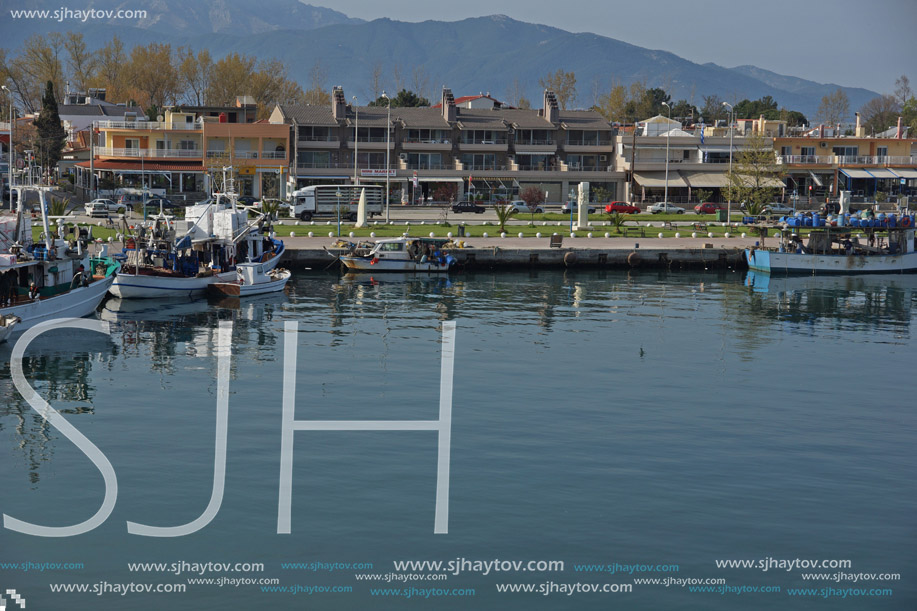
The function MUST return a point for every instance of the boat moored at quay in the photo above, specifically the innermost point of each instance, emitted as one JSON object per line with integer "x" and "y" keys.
{"x": 840, "y": 245}
{"x": 47, "y": 279}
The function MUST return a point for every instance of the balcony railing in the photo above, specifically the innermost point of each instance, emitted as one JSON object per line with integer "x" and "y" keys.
{"x": 590, "y": 143}
{"x": 426, "y": 141}
{"x": 148, "y": 125}
{"x": 246, "y": 154}
{"x": 493, "y": 141}
{"x": 534, "y": 142}
{"x": 424, "y": 166}
{"x": 319, "y": 139}
{"x": 274, "y": 155}
{"x": 846, "y": 160}
{"x": 483, "y": 167}
{"x": 148, "y": 153}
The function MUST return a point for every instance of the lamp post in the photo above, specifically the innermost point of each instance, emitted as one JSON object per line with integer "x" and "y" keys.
{"x": 338, "y": 195}
{"x": 731, "y": 122}
{"x": 356, "y": 138}
{"x": 667, "y": 131}
{"x": 9, "y": 165}
{"x": 388, "y": 134}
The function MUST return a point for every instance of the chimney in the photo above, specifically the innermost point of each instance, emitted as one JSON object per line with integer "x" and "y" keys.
{"x": 338, "y": 103}
{"x": 859, "y": 131}
{"x": 551, "y": 109}
{"x": 448, "y": 103}
{"x": 821, "y": 131}
{"x": 898, "y": 132}
{"x": 761, "y": 125}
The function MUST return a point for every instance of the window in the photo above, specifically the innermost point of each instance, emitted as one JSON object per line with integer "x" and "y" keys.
{"x": 187, "y": 145}
{"x": 315, "y": 134}
{"x": 371, "y": 160}
{"x": 428, "y": 136}
{"x": 786, "y": 151}
{"x": 160, "y": 145}
{"x": 808, "y": 151}
{"x": 425, "y": 161}
{"x": 535, "y": 162}
{"x": 483, "y": 136}
{"x": 479, "y": 161}
{"x": 132, "y": 143}
{"x": 881, "y": 151}
{"x": 315, "y": 159}
{"x": 845, "y": 151}
{"x": 584, "y": 137}
{"x": 391, "y": 247}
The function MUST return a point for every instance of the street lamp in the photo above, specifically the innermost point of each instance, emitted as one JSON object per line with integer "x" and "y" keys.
{"x": 388, "y": 133}
{"x": 731, "y": 122}
{"x": 10, "y": 160}
{"x": 667, "y": 132}
{"x": 356, "y": 138}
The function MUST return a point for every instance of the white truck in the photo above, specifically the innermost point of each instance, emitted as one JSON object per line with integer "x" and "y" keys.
{"x": 323, "y": 200}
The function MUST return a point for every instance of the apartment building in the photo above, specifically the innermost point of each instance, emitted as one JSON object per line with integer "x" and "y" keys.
{"x": 185, "y": 148}
{"x": 490, "y": 152}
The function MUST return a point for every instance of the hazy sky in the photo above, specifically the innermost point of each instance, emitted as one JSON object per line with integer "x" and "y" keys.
{"x": 856, "y": 43}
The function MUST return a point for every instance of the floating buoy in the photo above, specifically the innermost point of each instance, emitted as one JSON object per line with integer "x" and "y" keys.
{"x": 374, "y": 260}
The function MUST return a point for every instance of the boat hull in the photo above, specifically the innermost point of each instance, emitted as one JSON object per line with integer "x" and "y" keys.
{"x": 234, "y": 289}
{"x": 365, "y": 264}
{"x": 143, "y": 286}
{"x": 76, "y": 303}
{"x": 801, "y": 263}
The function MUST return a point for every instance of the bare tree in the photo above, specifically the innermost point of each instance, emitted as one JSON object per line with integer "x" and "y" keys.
{"x": 398, "y": 77}
{"x": 880, "y": 113}
{"x": 903, "y": 91}
{"x": 81, "y": 62}
{"x": 563, "y": 84}
{"x": 376, "y": 86}
{"x": 420, "y": 82}
{"x": 194, "y": 73}
{"x": 834, "y": 108}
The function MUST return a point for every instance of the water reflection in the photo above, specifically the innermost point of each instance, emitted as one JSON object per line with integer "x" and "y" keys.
{"x": 870, "y": 301}
{"x": 58, "y": 365}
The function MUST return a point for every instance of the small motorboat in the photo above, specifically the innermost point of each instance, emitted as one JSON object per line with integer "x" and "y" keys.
{"x": 254, "y": 279}
{"x": 404, "y": 254}
{"x": 7, "y": 324}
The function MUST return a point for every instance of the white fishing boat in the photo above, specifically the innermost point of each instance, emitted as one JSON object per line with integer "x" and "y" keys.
{"x": 404, "y": 254}
{"x": 49, "y": 279}
{"x": 181, "y": 258}
{"x": 871, "y": 246}
{"x": 253, "y": 279}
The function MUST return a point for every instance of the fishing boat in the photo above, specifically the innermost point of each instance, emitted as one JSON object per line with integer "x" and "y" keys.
{"x": 404, "y": 254}
{"x": 166, "y": 257}
{"x": 253, "y": 279}
{"x": 51, "y": 278}
{"x": 839, "y": 245}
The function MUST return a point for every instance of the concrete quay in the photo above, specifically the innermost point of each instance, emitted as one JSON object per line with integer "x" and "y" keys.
{"x": 494, "y": 253}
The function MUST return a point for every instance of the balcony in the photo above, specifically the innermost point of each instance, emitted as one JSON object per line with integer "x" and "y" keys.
{"x": 132, "y": 153}
{"x": 371, "y": 144}
{"x": 319, "y": 142}
{"x": 845, "y": 160}
{"x": 426, "y": 145}
{"x": 274, "y": 155}
{"x": 151, "y": 125}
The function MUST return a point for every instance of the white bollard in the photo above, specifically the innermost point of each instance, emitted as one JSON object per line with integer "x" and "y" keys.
{"x": 538, "y": 235}
{"x": 311, "y": 235}
{"x": 693, "y": 234}
{"x": 485, "y": 235}
{"x": 677, "y": 235}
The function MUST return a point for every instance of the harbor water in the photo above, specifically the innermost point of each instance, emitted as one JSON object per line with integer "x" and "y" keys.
{"x": 607, "y": 429}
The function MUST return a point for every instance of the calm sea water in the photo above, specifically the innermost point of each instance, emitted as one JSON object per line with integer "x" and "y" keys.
{"x": 598, "y": 419}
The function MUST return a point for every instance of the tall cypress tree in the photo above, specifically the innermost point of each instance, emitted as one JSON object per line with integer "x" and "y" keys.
{"x": 50, "y": 133}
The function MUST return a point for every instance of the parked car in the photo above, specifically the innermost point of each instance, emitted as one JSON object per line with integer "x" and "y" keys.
{"x": 466, "y": 206}
{"x": 102, "y": 207}
{"x": 622, "y": 207}
{"x": 519, "y": 206}
{"x": 568, "y": 206}
{"x": 247, "y": 200}
{"x": 155, "y": 203}
{"x": 778, "y": 208}
{"x": 708, "y": 208}
{"x": 666, "y": 207}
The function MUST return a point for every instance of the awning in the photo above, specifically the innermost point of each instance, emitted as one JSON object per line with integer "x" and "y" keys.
{"x": 883, "y": 173}
{"x": 714, "y": 148}
{"x": 905, "y": 173}
{"x": 136, "y": 167}
{"x": 544, "y": 153}
{"x": 431, "y": 179}
{"x": 849, "y": 173}
{"x": 816, "y": 179}
{"x": 705, "y": 180}
{"x": 310, "y": 177}
{"x": 657, "y": 179}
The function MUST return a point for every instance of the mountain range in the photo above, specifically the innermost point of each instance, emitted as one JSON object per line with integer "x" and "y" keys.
{"x": 482, "y": 54}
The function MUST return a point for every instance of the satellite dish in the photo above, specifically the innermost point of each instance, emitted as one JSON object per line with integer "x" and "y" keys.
{"x": 160, "y": 118}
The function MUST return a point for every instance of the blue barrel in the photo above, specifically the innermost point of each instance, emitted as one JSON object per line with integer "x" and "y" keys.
{"x": 808, "y": 222}
{"x": 892, "y": 220}
{"x": 854, "y": 222}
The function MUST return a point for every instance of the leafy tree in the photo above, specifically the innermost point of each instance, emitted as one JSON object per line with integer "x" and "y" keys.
{"x": 194, "y": 74}
{"x": 684, "y": 110}
{"x": 404, "y": 99}
{"x": 753, "y": 171}
{"x": 613, "y": 105}
{"x": 703, "y": 195}
{"x": 748, "y": 109}
{"x": 533, "y": 197}
{"x": 793, "y": 118}
{"x": 834, "y": 108}
{"x": 524, "y": 104}
{"x": 153, "y": 75}
{"x": 51, "y": 136}
{"x": 617, "y": 220}
{"x": 563, "y": 84}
